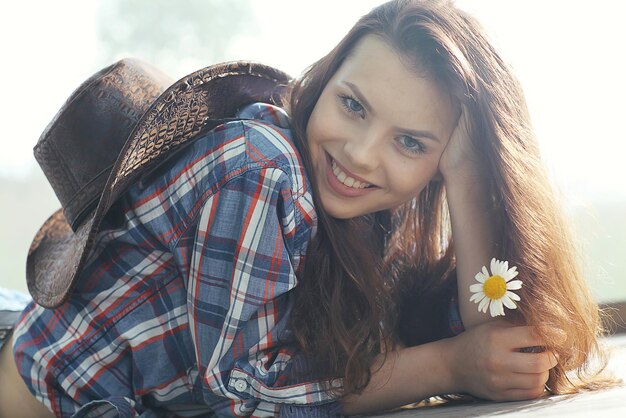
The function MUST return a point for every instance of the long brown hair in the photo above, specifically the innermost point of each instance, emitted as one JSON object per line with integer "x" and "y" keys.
{"x": 356, "y": 271}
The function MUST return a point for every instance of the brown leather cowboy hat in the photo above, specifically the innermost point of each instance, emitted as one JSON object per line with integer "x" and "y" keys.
{"x": 117, "y": 126}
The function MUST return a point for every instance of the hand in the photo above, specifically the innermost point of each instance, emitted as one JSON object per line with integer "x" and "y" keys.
{"x": 459, "y": 156}
{"x": 485, "y": 361}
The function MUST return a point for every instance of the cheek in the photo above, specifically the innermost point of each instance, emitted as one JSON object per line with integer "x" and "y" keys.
{"x": 409, "y": 183}
{"x": 326, "y": 122}
{"x": 315, "y": 127}
{"x": 321, "y": 131}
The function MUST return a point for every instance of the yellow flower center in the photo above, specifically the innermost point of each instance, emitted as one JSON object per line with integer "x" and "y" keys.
{"x": 494, "y": 287}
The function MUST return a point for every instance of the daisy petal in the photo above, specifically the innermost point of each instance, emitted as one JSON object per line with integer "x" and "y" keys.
{"x": 493, "y": 265}
{"x": 483, "y": 305}
{"x": 512, "y": 295}
{"x": 495, "y": 307}
{"x": 476, "y": 287}
{"x": 501, "y": 308}
{"x": 476, "y": 297}
{"x": 510, "y": 275}
{"x": 514, "y": 285}
{"x": 500, "y": 269}
{"x": 508, "y": 302}
{"x": 481, "y": 277}
{"x": 485, "y": 272}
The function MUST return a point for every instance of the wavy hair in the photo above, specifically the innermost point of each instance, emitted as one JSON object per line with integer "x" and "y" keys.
{"x": 362, "y": 275}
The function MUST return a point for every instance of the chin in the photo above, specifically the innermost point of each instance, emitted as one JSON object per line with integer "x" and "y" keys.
{"x": 342, "y": 214}
{"x": 338, "y": 210}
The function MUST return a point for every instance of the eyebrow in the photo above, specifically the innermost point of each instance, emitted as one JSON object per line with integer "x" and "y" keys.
{"x": 368, "y": 107}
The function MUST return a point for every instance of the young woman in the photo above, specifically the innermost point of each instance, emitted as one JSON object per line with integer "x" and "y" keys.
{"x": 322, "y": 264}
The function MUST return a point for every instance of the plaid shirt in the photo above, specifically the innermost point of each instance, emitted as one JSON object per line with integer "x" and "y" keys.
{"x": 183, "y": 305}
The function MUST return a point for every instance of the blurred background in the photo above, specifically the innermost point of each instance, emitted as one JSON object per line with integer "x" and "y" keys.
{"x": 568, "y": 55}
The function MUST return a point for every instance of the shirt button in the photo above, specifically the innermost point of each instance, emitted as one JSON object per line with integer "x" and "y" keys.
{"x": 240, "y": 385}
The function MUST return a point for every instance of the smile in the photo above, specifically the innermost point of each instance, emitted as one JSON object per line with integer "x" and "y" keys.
{"x": 343, "y": 183}
{"x": 346, "y": 180}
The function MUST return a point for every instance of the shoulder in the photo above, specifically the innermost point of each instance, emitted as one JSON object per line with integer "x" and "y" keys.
{"x": 266, "y": 113}
{"x": 270, "y": 142}
{"x": 254, "y": 148}
{"x": 269, "y": 138}
{"x": 258, "y": 139}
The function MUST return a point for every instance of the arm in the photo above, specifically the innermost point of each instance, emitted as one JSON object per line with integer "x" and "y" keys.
{"x": 483, "y": 361}
{"x": 473, "y": 237}
{"x": 240, "y": 255}
{"x": 408, "y": 375}
{"x": 241, "y": 273}
{"x": 469, "y": 205}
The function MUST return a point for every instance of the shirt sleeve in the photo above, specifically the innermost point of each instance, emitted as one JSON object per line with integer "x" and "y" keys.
{"x": 329, "y": 410}
{"x": 243, "y": 264}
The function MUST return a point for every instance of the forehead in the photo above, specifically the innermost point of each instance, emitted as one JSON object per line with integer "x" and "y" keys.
{"x": 408, "y": 97}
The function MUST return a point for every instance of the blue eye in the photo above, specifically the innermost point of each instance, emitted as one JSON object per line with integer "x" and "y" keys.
{"x": 411, "y": 144}
{"x": 352, "y": 105}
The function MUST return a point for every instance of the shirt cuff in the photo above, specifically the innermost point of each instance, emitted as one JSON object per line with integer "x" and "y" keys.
{"x": 454, "y": 317}
{"x": 113, "y": 407}
{"x": 328, "y": 410}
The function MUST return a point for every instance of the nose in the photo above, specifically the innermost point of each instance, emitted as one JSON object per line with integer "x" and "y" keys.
{"x": 363, "y": 151}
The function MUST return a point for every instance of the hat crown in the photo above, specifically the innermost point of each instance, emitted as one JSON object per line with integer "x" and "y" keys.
{"x": 78, "y": 148}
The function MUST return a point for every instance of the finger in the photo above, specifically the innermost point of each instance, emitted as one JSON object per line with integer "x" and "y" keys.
{"x": 532, "y": 362}
{"x": 522, "y": 394}
{"x": 518, "y": 381}
{"x": 522, "y": 336}
{"x": 462, "y": 122}
{"x": 519, "y": 386}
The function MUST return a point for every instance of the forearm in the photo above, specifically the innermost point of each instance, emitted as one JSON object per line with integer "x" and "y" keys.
{"x": 408, "y": 375}
{"x": 473, "y": 234}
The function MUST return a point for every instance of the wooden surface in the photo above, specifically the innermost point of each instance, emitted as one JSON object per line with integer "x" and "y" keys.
{"x": 606, "y": 403}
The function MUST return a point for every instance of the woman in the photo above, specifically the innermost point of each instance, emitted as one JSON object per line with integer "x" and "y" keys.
{"x": 203, "y": 271}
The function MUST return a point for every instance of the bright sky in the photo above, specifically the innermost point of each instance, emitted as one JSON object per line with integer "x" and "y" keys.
{"x": 568, "y": 55}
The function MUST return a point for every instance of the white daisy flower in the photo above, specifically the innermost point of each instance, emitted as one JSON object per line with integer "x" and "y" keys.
{"x": 494, "y": 290}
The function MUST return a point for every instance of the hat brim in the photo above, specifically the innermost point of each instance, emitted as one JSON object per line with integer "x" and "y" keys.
{"x": 54, "y": 257}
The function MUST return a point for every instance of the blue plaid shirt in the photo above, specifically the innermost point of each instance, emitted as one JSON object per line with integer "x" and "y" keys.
{"x": 183, "y": 305}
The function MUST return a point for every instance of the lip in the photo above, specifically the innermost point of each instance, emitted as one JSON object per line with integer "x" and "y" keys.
{"x": 340, "y": 188}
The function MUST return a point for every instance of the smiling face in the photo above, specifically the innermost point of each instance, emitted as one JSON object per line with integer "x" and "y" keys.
{"x": 377, "y": 132}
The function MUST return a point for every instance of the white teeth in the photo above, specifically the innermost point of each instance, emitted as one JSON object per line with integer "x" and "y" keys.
{"x": 347, "y": 180}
